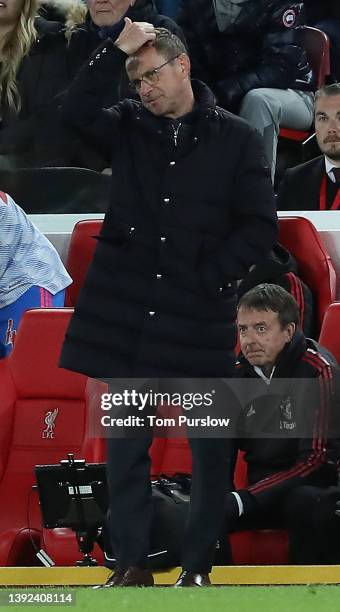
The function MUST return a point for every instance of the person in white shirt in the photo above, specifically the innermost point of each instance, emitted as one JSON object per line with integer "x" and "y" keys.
{"x": 31, "y": 272}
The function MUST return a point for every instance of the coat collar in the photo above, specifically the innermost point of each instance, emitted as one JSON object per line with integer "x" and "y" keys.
{"x": 205, "y": 106}
{"x": 286, "y": 362}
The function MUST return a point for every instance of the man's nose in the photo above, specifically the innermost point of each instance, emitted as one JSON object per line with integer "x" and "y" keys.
{"x": 145, "y": 88}
{"x": 333, "y": 125}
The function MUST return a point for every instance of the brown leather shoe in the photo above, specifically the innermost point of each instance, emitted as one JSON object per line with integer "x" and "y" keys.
{"x": 137, "y": 577}
{"x": 114, "y": 580}
{"x": 193, "y": 579}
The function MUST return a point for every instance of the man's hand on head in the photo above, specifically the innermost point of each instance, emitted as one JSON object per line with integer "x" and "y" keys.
{"x": 134, "y": 35}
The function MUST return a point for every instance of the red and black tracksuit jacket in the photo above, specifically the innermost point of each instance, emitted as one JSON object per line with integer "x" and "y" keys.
{"x": 277, "y": 464}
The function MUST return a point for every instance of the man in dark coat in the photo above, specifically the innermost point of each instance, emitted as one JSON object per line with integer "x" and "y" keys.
{"x": 289, "y": 429}
{"x": 315, "y": 185}
{"x": 251, "y": 55}
{"x": 192, "y": 210}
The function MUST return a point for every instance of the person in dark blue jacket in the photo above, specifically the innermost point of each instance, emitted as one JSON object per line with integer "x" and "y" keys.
{"x": 251, "y": 55}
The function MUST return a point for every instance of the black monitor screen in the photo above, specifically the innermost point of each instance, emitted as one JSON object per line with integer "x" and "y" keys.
{"x": 72, "y": 496}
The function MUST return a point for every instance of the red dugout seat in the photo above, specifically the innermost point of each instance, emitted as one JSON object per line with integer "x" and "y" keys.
{"x": 329, "y": 335}
{"x": 80, "y": 254}
{"x": 301, "y": 238}
{"x": 32, "y": 388}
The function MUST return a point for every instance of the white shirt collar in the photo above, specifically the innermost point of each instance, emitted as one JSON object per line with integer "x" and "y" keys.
{"x": 329, "y": 165}
{"x": 262, "y": 374}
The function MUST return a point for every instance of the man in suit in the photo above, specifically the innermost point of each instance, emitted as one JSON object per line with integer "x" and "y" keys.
{"x": 315, "y": 185}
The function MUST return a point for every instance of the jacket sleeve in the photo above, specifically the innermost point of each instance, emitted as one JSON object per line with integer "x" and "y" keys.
{"x": 82, "y": 109}
{"x": 281, "y": 56}
{"x": 314, "y": 452}
{"x": 253, "y": 218}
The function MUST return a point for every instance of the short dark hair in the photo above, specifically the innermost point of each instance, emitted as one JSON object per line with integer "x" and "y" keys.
{"x": 272, "y": 297}
{"x": 328, "y": 90}
{"x": 166, "y": 43}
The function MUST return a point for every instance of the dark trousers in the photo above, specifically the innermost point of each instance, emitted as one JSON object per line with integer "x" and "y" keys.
{"x": 128, "y": 471}
{"x": 307, "y": 512}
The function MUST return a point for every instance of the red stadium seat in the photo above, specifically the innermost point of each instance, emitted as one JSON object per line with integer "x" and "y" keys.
{"x": 315, "y": 268}
{"x": 257, "y": 546}
{"x": 80, "y": 254}
{"x": 329, "y": 335}
{"x": 32, "y": 386}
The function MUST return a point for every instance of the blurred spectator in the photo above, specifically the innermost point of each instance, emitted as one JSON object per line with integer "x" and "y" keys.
{"x": 31, "y": 272}
{"x": 168, "y": 7}
{"x": 280, "y": 268}
{"x": 315, "y": 185}
{"x": 34, "y": 71}
{"x": 40, "y": 60}
{"x": 251, "y": 56}
{"x": 325, "y": 15}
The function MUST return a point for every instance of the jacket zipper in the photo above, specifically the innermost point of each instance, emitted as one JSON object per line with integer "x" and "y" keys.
{"x": 175, "y": 131}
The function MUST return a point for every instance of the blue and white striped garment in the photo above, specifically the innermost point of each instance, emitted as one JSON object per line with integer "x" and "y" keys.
{"x": 27, "y": 258}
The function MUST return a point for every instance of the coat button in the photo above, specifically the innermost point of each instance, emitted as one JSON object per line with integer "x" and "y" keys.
{"x": 104, "y": 50}
{"x": 98, "y": 56}
{"x": 91, "y": 63}
{"x": 152, "y": 313}
{"x": 163, "y": 238}
{"x": 166, "y": 200}
{"x": 159, "y": 276}
{"x": 220, "y": 289}
{"x": 173, "y": 163}
{"x": 132, "y": 229}
{"x": 195, "y": 139}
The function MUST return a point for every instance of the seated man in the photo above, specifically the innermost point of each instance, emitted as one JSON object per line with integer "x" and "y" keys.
{"x": 250, "y": 54}
{"x": 315, "y": 184}
{"x": 288, "y": 432}
{"x": 31, "y": 272}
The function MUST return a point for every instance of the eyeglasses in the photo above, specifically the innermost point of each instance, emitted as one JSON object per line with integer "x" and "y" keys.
{"x": 151, "y": 76}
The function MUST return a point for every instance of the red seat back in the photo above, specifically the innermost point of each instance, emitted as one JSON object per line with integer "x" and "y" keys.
{"x": 80, "y": 255}
{"x": 329, "y": 335}
{"x": 315, "y": 268}
{"x": 316, "y": 44}
{"x": 44, "y": 412}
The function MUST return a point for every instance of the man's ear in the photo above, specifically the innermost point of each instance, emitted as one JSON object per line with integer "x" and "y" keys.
{"x": 185, "y": 64}
{"x": 291, "y": 327}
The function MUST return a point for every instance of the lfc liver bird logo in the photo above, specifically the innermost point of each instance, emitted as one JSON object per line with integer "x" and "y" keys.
{"x": 49, "y": 420}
